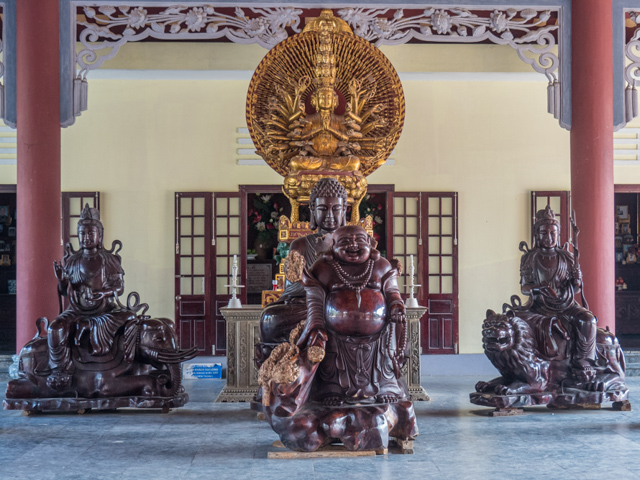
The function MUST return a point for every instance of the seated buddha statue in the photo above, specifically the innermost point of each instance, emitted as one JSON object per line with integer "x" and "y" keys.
{"x": 328, "y": 206}
{"x": 326, "y": 140}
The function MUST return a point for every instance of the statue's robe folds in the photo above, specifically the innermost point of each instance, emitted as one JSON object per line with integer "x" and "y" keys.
{"x": 101, "y": 318}
{"x": 281, "y": 316}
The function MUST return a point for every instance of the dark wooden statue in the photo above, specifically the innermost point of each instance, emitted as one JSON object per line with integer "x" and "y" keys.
{"x": 339, "y": 377}
{"x": 328, "y": 206}
{"x": 98, "y": 353}
{"x": 549, "y": 351}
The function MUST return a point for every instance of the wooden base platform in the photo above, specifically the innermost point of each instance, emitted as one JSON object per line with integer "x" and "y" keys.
{"x": 338, "y": 451}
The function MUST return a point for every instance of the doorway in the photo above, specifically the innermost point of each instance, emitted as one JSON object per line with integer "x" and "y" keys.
{"x": 627, "y": 230}
{"x": 8, "y": 269}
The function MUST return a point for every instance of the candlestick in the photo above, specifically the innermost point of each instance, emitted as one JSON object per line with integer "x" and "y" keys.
{"x": 412, "y": 301}
{"x": 234, "y": 301}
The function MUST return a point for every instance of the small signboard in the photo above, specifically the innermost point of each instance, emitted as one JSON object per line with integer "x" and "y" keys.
{"x": 259, "y": 277}
{"x": 201, "y": 370}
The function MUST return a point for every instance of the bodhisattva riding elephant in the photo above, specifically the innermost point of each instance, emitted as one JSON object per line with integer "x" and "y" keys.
{"x": 145, "y": 362}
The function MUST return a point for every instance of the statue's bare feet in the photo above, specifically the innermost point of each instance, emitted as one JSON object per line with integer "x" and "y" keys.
{"x": 59, "y": 380}
{"x": 583, "y": 371}
{"x": 333, "y": 401}
{"x": 387, "y": 398}
{"x": 594, "y": 386}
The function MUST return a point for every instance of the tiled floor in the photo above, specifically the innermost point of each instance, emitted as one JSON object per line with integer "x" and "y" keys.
{"x": 206, "y": 440}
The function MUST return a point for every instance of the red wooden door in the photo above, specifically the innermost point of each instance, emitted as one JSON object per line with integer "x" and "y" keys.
{"x": 193, "y": 239}
{"x": 208, "y": 234}
{"x": 425, "y": 225}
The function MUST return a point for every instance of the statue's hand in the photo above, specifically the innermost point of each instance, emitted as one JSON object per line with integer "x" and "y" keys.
{"x": 57, "y": 269}
{"x": 315, "y": 338}
{"x": 398, "y": 314}
{"x": 318, "y": 338}
{"x": 545, "y": 291}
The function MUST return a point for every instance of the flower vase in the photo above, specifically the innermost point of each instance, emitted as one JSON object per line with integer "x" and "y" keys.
{"x": 264, "y": 249}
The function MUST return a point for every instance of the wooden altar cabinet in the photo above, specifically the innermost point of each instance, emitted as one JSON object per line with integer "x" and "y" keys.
{"x": 243, "y": 331}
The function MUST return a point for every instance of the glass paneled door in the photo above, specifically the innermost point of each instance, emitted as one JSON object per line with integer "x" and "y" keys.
{"x": 193, "y": 271}
{"x": 425, "y": 226}
{"x": 206, "y": 239}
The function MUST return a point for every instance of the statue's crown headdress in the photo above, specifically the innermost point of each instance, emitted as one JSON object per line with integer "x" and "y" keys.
{"x": 90, "y": 216}
{"x": 546, "y": 216}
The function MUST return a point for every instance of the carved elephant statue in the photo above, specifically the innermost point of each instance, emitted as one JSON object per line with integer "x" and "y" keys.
{"x": 145, "y": 361}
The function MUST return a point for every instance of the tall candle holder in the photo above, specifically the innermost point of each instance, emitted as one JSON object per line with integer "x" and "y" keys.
{"x": 412, "y": 301}
{"x": 234, "y": 301}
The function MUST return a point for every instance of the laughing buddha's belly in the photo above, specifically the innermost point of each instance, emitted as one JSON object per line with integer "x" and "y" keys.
{"x": 344, "y": 315}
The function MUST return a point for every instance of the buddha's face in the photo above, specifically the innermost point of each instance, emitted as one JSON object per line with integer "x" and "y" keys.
{"x": 329, "y": 213}
{"x": 351, "y": 245}
{"x": 88, "y": 236}
{"x": 547, "y": 235}
{"x": 326, "y": 99}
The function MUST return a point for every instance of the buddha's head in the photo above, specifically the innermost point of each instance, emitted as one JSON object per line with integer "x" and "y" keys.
{"x": 546, "y": 228}
{"x": 324, "y": 98}
{"x": 328, "y": 205}
{"x": 90, "y": 229}
{"x": 352, "y": 244}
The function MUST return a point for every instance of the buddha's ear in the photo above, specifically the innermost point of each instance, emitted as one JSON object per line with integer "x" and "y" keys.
{"x": 344, "y": 218}
{"x": 312, "y": 221}
{"x": 375, "y": 254}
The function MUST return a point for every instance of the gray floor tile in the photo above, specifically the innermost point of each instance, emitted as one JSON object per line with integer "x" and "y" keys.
{"x": 206, "y": 440}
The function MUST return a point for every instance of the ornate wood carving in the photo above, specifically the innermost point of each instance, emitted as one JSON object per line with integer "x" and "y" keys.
{"x": 105, "y": 27}
{"x": 243, "y": 330}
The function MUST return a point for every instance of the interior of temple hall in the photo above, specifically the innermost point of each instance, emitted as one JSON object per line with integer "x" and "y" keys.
{"x": 250, "y": 239}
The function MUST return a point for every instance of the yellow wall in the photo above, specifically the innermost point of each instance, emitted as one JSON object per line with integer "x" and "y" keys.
{"x": 8, "y": 175}
{"x": 141, "y": 141}
{"x": 493, "y": 142}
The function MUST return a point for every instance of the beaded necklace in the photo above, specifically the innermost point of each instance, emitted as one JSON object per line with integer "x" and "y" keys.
{"x": 351, "y": 281}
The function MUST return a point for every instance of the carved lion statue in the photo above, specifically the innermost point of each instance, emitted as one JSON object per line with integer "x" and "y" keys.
{"x": 527, "y": 364}
{"x": 509, "y": 343}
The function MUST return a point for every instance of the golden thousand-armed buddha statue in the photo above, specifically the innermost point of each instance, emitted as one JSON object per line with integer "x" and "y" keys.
{"x": 325, "y": 103}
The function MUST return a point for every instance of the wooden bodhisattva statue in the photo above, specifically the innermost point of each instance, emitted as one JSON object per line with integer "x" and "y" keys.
{"x": 98, "y": 353}
{"x": 339, "y": 377}
{"x": 550, "y": 351}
